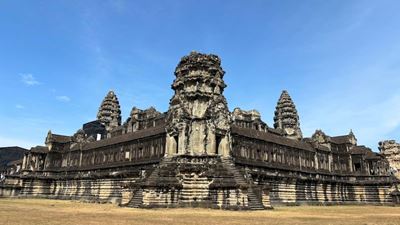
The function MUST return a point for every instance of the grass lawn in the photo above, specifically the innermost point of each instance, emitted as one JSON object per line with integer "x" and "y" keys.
{"x": 43, "y": 211}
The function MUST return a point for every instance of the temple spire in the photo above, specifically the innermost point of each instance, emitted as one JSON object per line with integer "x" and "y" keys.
{"x": 109, "y": 112}
{"x": 198, "y": 118}
{"x": 286, "y": 117}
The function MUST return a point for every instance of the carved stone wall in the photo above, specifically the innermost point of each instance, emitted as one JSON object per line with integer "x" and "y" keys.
{"x": 143, "y": 119}
{"x": 248, "y": 119}
{"x": 391, "y": 151}
{"x": 198, "y": 119}
{"x": 289, "y": 188}
{"x": 263, "y": 148}
{"x": 100, "y": 185}
{"x": 123, "y": 153}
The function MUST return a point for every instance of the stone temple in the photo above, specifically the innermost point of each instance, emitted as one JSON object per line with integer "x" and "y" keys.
{"x": 199, "y": 154}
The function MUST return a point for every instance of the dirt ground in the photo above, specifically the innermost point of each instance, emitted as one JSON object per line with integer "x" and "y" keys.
{"x": 41, "y": 211}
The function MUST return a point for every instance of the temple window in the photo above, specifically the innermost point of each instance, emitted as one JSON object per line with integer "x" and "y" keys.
{"x": 177, "y": 144}
{"x": 127, "y": 155}
{"x": 217, "y": 141}
{"x": 357, "y": 167}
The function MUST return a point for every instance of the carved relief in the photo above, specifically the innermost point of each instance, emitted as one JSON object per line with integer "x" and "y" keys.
{"x": 198, "y": 119}
{"x": 391, "y": 151}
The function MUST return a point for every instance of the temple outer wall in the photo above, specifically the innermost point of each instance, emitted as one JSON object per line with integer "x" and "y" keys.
{"x": 302, "y": 175}
{"x": 91, "y": 190}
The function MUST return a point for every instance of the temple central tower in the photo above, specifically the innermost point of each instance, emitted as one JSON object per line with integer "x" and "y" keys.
{"x": 198, "y": 116}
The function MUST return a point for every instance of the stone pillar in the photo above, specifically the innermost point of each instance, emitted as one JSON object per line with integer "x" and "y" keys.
{"x": 170, "y": 145}
{"x": 182, "y": 141}
{"x": 316, "y": 161}
{"x": 350, "y": 163}
{"x": 224, "y": 146}
{"x": 211, "y": 143}
{"x": 330, "y": 161}
{"x": 24, "y": 162}
{"x": 80, "y": 158}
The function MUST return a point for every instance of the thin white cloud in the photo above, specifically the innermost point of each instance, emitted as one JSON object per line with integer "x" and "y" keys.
{"x": 29, "y": 79}
{"x": 63, "y": 98}
{"x": 18, "y": 106}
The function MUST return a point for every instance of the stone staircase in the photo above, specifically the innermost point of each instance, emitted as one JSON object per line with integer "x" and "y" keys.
{"x": 162, "y": 174}
{"x": 154, "y": 175}
{"x": 195, "y": 190}
{"x": 182, "y": 182}
{"x": 137, "y": 199}
{"x": 254, "y": 199}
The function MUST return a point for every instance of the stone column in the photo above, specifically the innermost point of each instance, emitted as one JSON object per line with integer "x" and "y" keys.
{"x": 330, "y": 161}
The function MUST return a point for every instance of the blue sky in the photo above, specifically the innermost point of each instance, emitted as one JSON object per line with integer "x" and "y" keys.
{"x": 339, "y": 60}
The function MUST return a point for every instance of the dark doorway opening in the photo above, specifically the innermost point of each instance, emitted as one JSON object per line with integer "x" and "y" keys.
{"x": 218, "y": 139}
{"x": 357, "y": 167}
{"x": 177, "y": 144}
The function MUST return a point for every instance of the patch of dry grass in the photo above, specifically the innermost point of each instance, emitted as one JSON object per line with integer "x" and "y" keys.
{"x": 42, "y": 211}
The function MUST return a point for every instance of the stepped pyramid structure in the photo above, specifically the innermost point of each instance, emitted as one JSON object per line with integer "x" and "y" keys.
{"x": 286, "y": 117}
{"x": 199, "y": 154}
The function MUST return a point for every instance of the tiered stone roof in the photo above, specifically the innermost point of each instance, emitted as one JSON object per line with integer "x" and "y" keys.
{"x": 109, "y": 112}
{"x": 199, "y": 89}
{"x": 198, "y": 110}
{"x": 203, "y": 72}
{"x": 286, "y": 117}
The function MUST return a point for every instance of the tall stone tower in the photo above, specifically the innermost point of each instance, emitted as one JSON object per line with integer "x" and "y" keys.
{"x": 286, "y": 117}
{"x": 198, "y": 117}
{"x": 109, "y": 112}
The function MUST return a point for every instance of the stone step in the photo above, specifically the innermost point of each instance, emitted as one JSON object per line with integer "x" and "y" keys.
{"x": 192, "y": 200}
{"x": 137, "y": 199}
{"x": 194, "y": 188}
{"x": 254, "y": 201}
{"x": 196, "y": 181}
{"x": 194, "y": 196}
{"x": 186, "y": 190}
{"x": 194, "y": 193}
{"x": 195, "y": 185}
